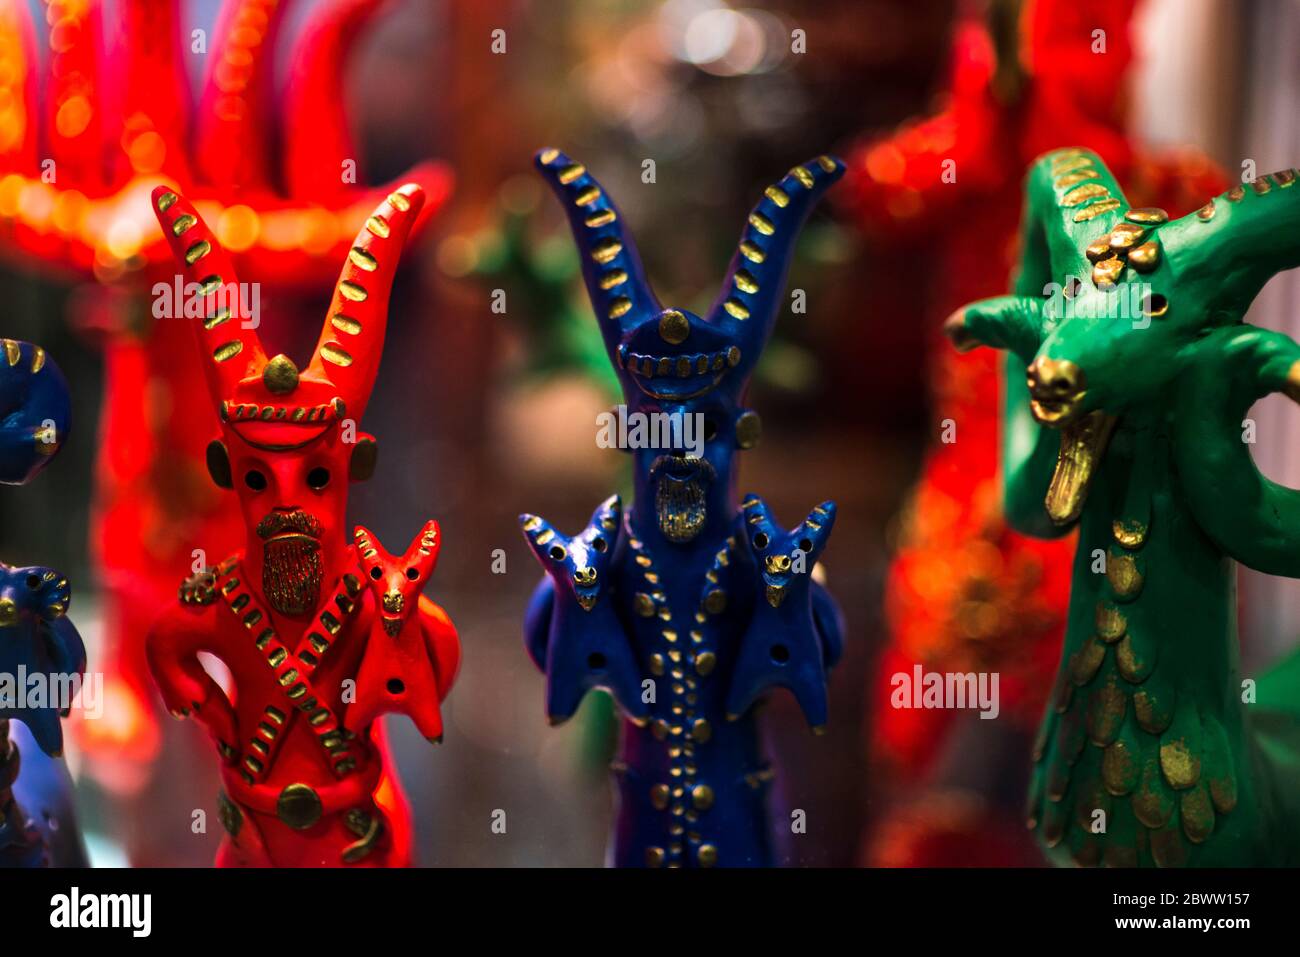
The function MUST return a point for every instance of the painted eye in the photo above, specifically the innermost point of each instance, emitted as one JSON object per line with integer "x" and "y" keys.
{"x": 255, "y": 480}
{"x": 33, "y": 582}
{"x": 599, "y": 544}
{"x": 412, "y": 574}
{"x": 318, "y": 478}
{"x": 376, "y": 573}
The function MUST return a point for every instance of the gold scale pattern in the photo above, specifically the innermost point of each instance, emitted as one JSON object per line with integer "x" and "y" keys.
{"x": 1119, "y": 739}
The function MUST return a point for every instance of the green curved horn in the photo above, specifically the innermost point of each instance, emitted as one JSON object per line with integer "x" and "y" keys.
{"x": 1241, "y": 239}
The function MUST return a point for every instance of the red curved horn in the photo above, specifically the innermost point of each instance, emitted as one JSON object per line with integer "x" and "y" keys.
{"x": 231, "y": 350}
{"x": 352, "y": 339}
{"x": 232, "y": 108}
{"x": 317, "y": 139}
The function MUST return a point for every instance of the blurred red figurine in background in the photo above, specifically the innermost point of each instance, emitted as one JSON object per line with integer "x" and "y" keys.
{"x": 314, "y": 654}
{"x": 964, "y": 592}
{"x": 80, "y": 149}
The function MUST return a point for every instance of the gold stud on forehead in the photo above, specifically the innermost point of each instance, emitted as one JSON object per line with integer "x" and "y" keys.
{"x": 673, "y": 327}
{"x": 280, "y": 375}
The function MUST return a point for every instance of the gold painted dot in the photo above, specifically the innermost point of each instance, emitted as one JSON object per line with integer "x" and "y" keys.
{"x": 1096, "y": 209}
{"x": 615, "y": 277}
{"x": 674, "y": 327}
{"x": 228, "y": 350}
{"x": 571, "y": 173}
{"x": 1129, "y": 533}
{"x": 736, "y": 308}
{"x": 605, "y": 250}
{"x": 1124, "y": 576}
{"x": 197, "y": 251}
{"x": 362, "y": 259}
{"x": 352, "y": 291}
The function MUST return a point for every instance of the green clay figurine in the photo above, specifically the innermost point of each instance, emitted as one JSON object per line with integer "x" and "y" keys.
{"x": 1155, "y": 748}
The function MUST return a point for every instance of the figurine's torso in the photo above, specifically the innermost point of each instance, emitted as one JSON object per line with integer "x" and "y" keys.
{"x": 692, "y": 783}
{"x": 298, "y": 789}
{"x": 1144, "y": 755}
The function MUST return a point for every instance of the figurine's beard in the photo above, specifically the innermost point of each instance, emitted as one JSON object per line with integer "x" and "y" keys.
{"x": 292, "y": 570}
{"x": 680, "y": 495}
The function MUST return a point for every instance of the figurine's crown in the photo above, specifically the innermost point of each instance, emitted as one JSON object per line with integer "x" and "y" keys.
{"x": 673, "y": 354}
{"x": 269, "y": 402}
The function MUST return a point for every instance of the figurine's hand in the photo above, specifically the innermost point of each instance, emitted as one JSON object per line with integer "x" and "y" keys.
{"x": 187, "y": 689}
{"x": 1014, "y": 323}
{"x": 1254, "y": 520}
{"x": 586, "y": 646}
{"x": 218, "y": 717}
{"x": 1256, "y": 362}
{"x": 783, "y": 646}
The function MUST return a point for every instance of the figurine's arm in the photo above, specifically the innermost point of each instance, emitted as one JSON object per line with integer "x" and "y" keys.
{"x": 830, "y": 624}
{"x": 34, "y": 411}
{"x": 172, "y": 653}
{"x": 443, "y": 644}
{"x": 67, "y": 650}
{"x": 785, "y": 643}
{"x": 537, "y": 622}
{"x": 585, "y": 644}
{"x": 1029, "y": 451}
{"x": 1254, "y": 520}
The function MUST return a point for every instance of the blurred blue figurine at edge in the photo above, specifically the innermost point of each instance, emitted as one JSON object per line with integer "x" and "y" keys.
{"x": 41, "y": 655}
{"x": 687, "y": 606}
